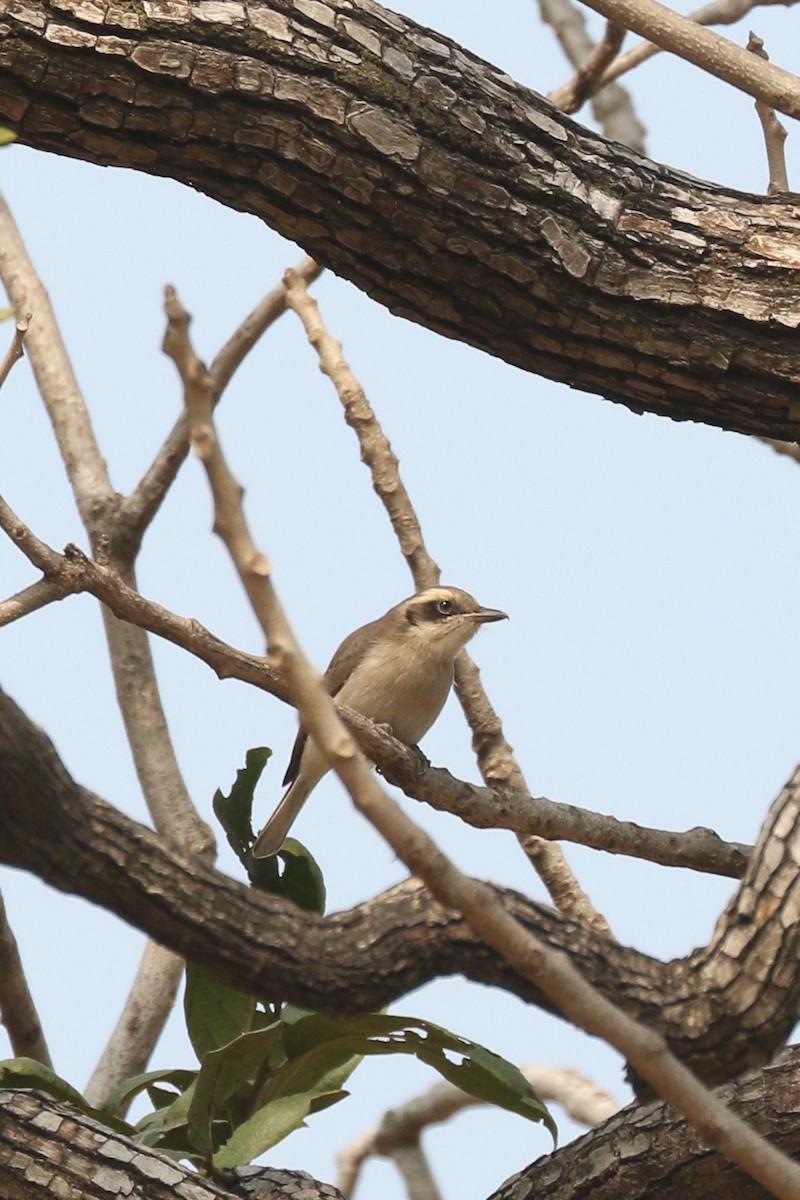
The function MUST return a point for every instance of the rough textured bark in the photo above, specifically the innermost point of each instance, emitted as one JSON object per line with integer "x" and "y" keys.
{"x": 641, "y": 1153}
{"x": 48, "y": 1151}
{"x": 449, "y": 193}
{"x": 644, "y": 1153}
{"x": 727, "y": 1006}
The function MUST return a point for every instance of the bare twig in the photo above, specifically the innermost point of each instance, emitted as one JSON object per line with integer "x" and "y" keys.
{"x": 15, "y": 350}
{"x": 706, "y": 49}
{"x": 612, "y": 106}
{"x": 581, "y": 1099}
{"x": 774, "y": 132}
{"x": 30, "y": 599}
{"x": 17, "y": 1010}
{"x": 265, "y": 313}
{"x": 787, "y": 449}
{"x": 719, "y": 12}
{"x": 143, "y": 503}
{"x": 534, "y": 960}
{"x": 153, "y": 755}
{"x": 487, "y": 734}
{"x": 160, "y": 972}
{"x": 571, "y": 96}
{"x": 481, "y": 807}
{"x": 412, "y": 1163}
{"x": 376, "y": 449}
{"x": 645, "y": 1050}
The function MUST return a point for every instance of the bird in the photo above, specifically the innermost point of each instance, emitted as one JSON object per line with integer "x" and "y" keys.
{"x": 398, "y": 671}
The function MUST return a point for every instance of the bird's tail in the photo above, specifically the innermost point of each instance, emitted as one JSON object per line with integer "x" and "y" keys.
{"x": 274, "y": 833}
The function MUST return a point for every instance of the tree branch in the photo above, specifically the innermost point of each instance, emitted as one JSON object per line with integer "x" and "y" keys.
{"x": 17, "y": 1010}
{"x": 447, "y": 192}
{"x": 484, "y": 808}
{"x": 260, "y": 944}
{"x": 489, "y": 744}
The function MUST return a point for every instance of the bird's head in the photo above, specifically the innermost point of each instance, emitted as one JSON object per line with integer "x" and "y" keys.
{"x": 443, "y": 619}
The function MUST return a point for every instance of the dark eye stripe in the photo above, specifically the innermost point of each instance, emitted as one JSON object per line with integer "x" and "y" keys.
{"x": 436, "y": 609}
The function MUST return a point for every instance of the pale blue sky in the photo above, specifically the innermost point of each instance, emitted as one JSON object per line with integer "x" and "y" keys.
{"x": 649, "y": 667}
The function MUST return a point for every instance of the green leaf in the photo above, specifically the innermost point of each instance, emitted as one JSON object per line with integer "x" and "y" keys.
{"x": 321, "y": 1052}
{"x": 28, "y": 1073}
{"x": 130, "y": 1088}
{"x": 227, "y": 1075}
{"x": 322, "y": 1043}
{"x": 293, "y": 872}
{"x": 6, "y": 136}
{"x": 234, "y": 810}
{"x": 302, "y": 880}
{"x": 154, "y": 1127}
{"x": 263, "y": 1130}
{"x": 215, "y": 1012}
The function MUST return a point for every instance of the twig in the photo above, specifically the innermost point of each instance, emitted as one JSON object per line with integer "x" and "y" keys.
{"x": 244, "y": 338}
{"x": 152, "y": 751}
{"x": 415, "y": 1171}
{"x": 774, "y": 132}
{"x": 376, "y": 449}
{"x": 612, "y": 106}
{"x": 571, "y": 96}
{"x": 487, "y": 734}
{"x": 550, "y": 970}
{"x": 143, "y": 503}
{"x": 229, "y": 520}
{"x": 158, "y": 977}
{"x": 788, "y": 449}
{"x": 15, "y": 350}
{"x": 481, "y": 807}
{"x": 645, "y": 1050}
{"x": 719, "y": 12}
{"x": 17, "y": 1010}
{"x": 581, "y": 1099}
{"x": 30, "y": 599}
{"x": 706, "y": 49}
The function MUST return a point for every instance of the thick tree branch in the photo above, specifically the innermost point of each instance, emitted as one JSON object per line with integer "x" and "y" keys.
{"x": 48, "y": 1151}
{"x": 640, "y": 1153}
{"x": 71, "y": 839}
{"x": 648, "y": 1152}
{"x": 447, "y": 192}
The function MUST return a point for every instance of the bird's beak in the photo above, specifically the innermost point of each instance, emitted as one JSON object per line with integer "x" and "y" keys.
{"x": 484, "y": 615}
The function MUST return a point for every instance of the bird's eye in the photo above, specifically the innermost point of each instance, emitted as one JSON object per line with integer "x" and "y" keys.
{"x": 445, "y": 607}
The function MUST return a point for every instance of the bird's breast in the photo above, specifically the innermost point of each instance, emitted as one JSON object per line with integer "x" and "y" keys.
{"x": 404, "y": 690}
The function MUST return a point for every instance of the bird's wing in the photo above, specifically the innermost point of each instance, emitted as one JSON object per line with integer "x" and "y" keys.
{"x": 341, "y": 667}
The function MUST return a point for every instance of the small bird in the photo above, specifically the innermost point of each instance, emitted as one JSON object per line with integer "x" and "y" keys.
{"x": 397, "y": 671}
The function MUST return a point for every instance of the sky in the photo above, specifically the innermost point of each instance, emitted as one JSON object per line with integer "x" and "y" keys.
{"x": 649, "y": 666}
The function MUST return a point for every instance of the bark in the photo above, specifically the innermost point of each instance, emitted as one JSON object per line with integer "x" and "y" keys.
{"x": 727, "y": 1006}
{"x": 452, "y": 195}
{"x": 647, "y": 1152}
{"x": 46, "y": 1151}
{"x": 641, "y": 1153}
